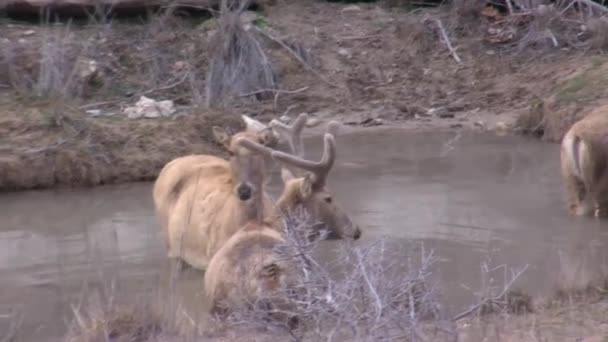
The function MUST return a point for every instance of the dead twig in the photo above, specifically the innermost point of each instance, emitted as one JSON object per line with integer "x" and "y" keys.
{"x": 487, "y": 300}
{"x": 275, "y": 91}
{"x": 445, "y": 39}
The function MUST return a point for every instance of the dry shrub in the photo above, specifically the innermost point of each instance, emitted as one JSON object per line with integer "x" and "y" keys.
{"x": 238, "y": 64}
{"x": 367, "y": 294}
{"x": 58, "y": 68}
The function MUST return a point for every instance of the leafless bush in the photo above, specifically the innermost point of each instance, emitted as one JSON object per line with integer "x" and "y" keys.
{"x": 238, "y": 64}
{"x": 365, "y": 295}
{"x": 498, "y": 296}
{"x": 60, "y": 71}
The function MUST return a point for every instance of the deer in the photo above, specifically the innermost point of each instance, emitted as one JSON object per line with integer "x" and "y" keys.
{"x": 202, "y": 200}
{"x": 246, "y": 269}
{"x": 584, "y": 164}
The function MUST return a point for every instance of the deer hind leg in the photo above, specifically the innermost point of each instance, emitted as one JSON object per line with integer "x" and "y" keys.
{"x": 600, "y": 196}
{"x": 579, "y": 200}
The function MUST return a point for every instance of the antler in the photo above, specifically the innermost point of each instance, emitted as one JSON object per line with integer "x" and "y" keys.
{"x": 319, "y": 169}
{"x": 254, "y": 146}
{"x": 293, "y": 133}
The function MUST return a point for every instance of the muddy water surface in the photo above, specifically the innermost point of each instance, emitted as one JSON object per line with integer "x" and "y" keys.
{"x": 467, "y": 196}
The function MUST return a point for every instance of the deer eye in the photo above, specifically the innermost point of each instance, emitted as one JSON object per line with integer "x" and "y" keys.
{"x": 328, "y": 199}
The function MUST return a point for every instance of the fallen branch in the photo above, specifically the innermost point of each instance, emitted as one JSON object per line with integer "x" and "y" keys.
{"x": 491, "y": 299}
{"x": 358, "y": 37}
{"x": 275, "y": 91}
{"x": 446, "y": 40}
{"x": 296, "y": 56}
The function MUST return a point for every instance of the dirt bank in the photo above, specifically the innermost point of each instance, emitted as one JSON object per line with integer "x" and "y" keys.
{"x": 43, "y": 146}
{"x": 366, "y": 65}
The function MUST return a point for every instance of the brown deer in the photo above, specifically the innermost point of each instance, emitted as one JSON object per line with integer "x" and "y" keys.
{"x": 246, "y": 269}
{"x": 584, "y": 164}
{"x": 201, "y": 200}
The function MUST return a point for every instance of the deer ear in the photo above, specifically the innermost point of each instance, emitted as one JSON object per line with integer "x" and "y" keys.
{"x": 220, "y": 135}
{"x": 271, "y": 271}
{"x": 286, "y": 175}
{"x": 306, "y": 187}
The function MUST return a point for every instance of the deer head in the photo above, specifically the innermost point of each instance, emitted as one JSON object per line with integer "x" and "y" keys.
{"x": 247, "y": 168}
{"x": 309, "y": 191}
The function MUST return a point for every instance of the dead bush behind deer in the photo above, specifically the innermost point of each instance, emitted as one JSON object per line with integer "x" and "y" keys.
{"x": 238, "y": 64}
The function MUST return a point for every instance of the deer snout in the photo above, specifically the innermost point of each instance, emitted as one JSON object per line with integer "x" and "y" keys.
{"x": 244, "y": 191}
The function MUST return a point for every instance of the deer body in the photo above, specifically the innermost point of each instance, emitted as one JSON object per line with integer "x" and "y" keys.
{"x": 245, "y": 272}
{"x": 584, "y": 164}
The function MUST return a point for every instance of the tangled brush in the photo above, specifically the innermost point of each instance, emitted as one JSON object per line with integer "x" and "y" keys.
{"x": 238, "y": 64}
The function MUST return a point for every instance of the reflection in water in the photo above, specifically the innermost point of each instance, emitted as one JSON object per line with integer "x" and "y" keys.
{"x": 479, "y": 196}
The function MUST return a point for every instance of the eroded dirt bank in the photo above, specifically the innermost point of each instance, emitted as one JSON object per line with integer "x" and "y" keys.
{"x": 369, "y": 64}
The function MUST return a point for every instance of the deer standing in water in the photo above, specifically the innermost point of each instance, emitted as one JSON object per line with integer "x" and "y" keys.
{"x": 246, "y": 269}
{"x": 202, "y": 200}
{"x": 584, "y": 164}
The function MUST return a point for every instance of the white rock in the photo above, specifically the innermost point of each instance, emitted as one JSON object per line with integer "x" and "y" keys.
{"x": 94, "y": 112}
{"x": 351, "y": 8}
{"x": 166, "y": 107}
{"x": 148, "y": 108}
{"x": 312, "y": 122}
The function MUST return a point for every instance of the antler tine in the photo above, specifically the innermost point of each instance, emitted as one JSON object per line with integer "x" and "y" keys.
{"x": 319, "y": 169}
{"x": 293, "y": 133}
{"x": 254, "y": 146}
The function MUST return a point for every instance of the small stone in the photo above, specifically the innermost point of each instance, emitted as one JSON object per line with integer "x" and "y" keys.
{"x": 28, "y": 33}
{"x": 501, "y": 126}
{"x": 94, "y": 112}
{"x": 344, "y": 53}
{"x": 312, "y": 122}
{"x": 351, "y": 8}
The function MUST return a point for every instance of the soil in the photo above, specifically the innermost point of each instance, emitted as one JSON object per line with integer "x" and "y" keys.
{"x": 367, "y": 65}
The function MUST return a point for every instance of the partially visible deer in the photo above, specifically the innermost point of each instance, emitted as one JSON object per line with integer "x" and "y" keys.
{"x": 308, "y": 191}
{"x": 246, "y": 269}
{"x": 584, "y": 164}
{"x": 202, "y": 200}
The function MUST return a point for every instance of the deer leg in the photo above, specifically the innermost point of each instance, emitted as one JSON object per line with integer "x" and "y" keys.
{"x": 579, "y": 201}
{"x": 600, "y": 196}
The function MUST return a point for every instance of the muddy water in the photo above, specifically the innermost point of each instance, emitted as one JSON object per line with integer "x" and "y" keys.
{"x": 468, "y": 197}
